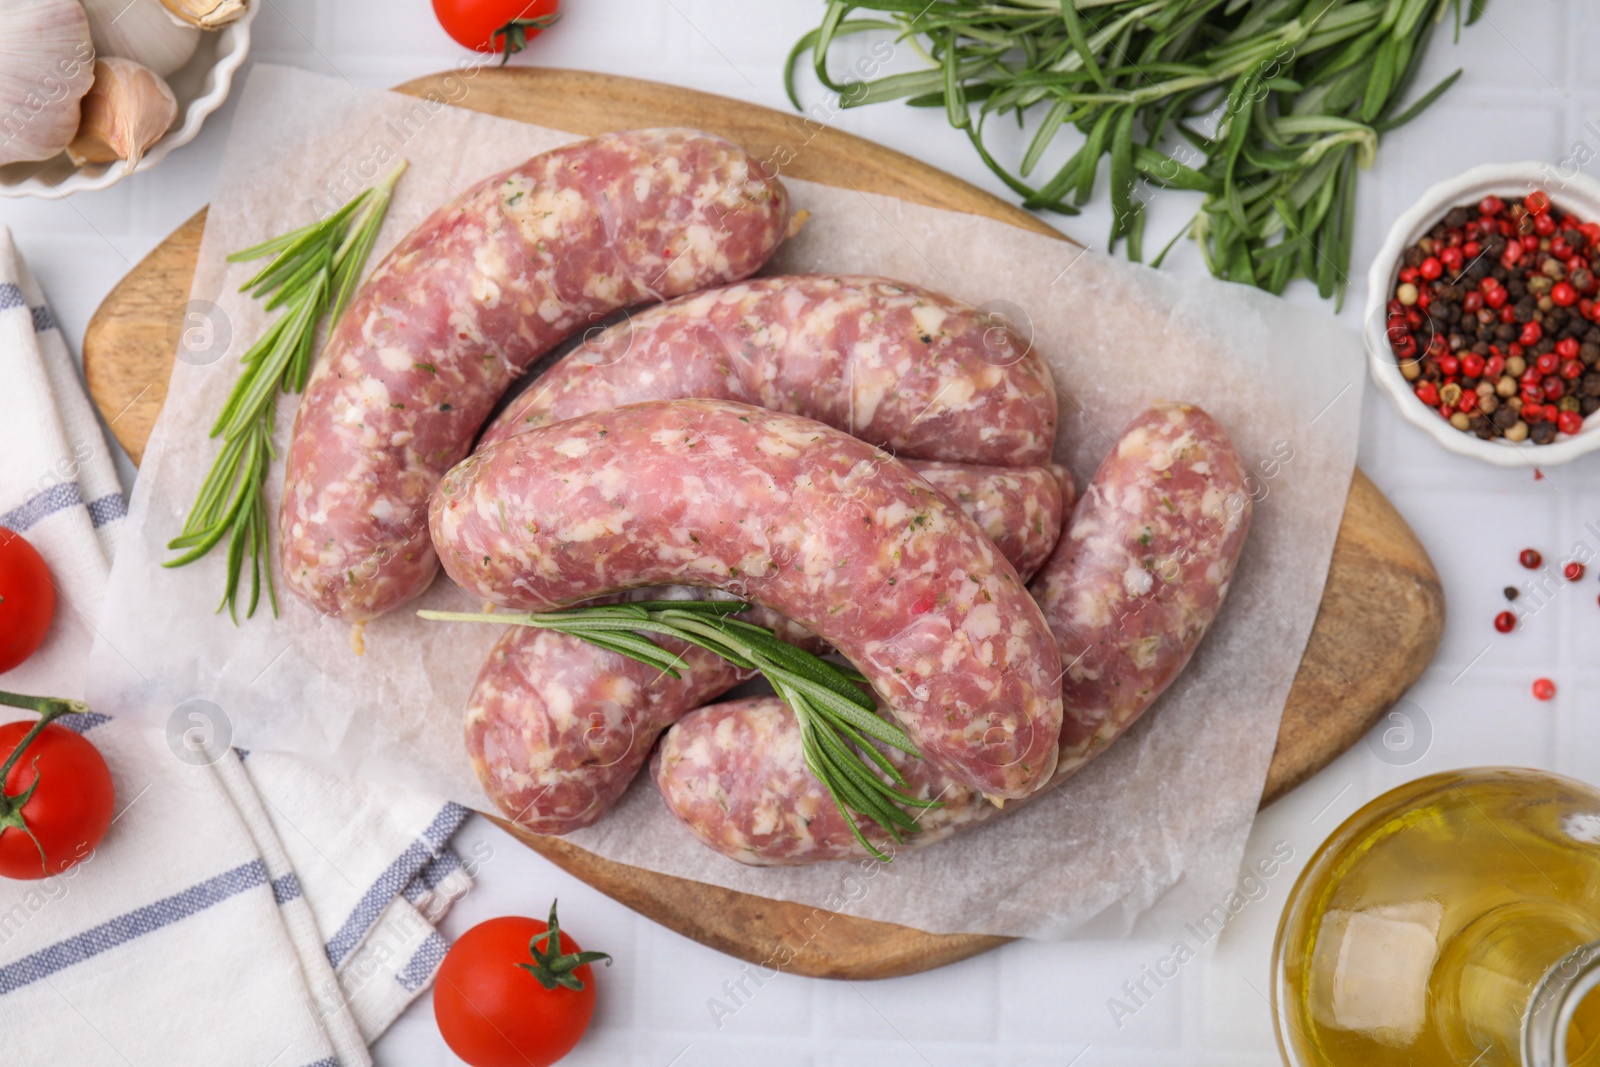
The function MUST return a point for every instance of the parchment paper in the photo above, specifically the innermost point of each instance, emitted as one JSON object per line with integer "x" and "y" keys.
{"x": 1162, "y": 817}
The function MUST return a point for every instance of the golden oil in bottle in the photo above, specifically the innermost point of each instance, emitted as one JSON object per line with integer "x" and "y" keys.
{"x": 1454, "y": 920}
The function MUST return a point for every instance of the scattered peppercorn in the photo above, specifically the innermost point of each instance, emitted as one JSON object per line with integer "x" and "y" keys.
{"x": 1505, "y": 622}
{"x": 1573, "y": 571}
{"x": 1512, "y": 592}
{"x": 1530, "y": 558}
{"x": 1501, "y": 303}
{"x": 1544, "y": 689}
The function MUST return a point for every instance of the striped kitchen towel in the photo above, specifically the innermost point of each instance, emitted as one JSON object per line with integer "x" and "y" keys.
{"x": 243, "y": 908}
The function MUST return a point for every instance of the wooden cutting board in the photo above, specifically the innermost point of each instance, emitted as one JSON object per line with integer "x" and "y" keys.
{"x": 1377, "y": 627}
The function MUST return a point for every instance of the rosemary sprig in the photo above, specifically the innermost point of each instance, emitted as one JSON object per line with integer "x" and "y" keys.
{"x": 1267, "y": 107}
{"x": 313, "y": 274}
{"x": 836, "y": 716}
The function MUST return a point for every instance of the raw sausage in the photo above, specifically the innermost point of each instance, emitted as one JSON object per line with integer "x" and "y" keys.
{"x": 1143, "y": 569}
{"x": 909, "y": 370}
{"x": 467, "y": 301}
{"x": 557, "y": 728}
{"x": 1136, "y": 581}
{"x": 735, "y": 775}
{"x": 799, "y": 517}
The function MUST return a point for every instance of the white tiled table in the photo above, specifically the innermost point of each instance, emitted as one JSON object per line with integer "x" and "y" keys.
{"x": 1527, "y": 94}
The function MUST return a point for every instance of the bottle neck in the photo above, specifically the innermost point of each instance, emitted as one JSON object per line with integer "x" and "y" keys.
{"x": 1548, "y": 1019}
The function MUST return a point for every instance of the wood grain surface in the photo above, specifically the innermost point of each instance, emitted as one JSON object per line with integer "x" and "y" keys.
{"x": 1377, "y": 627}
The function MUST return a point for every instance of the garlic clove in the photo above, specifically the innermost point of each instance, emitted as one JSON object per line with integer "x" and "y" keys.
{"x": 207, "y": 14}
{"x": 143, "y": 31}
{"x": 126, "y": 112}
{"x": 46, "y": 65}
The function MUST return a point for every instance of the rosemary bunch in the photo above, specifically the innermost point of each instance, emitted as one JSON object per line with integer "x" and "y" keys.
{"x": 1267, "y": 107}
{"x": 313, "y": 274}
{"x": 836, "y": 715}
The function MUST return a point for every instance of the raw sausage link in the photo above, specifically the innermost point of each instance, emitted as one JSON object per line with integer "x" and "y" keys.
{"x": 1168, "y": 504}
{"x": 1143, "y": 569}
{"x": 1019, "y": 508}
{"x": 801, "y": 518}
{"x": 909, "y": 370}
{"x": 557, "y": 727}
{"x": 736, "y": 776}
{"x": 470, "y": 298}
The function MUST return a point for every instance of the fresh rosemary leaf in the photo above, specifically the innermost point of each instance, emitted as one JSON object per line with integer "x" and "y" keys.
{"x": 838, "y": 721}
{"x": 1297, "y": 92}
{"x": 310, "y": 268}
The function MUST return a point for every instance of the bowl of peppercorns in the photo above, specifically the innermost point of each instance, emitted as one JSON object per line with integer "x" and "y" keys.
{"x": 1483, "y": 314}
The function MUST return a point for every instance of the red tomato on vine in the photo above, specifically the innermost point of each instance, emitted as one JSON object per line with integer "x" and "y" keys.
{"x": 56, "y": 796}
{"x": 502, "y": 26}
{"x": 502, "y": 1000}
{"x": 27, "y": 599}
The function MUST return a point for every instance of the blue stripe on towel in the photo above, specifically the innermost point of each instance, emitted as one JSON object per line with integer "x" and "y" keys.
{"x": 133, "y": 925}
{"x": 84, "y": 722}
{"x": 11, "y": 297}
{"x": 424, "y": 963}
{"x": 286, "y": 888}
{"x": 108, "y": 508}
{"x": 393, "y": 881}
{"x": 60, "y": 497}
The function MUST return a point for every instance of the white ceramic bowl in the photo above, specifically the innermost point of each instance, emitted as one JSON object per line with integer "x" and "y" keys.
{"x": 1578, "y": 194}
{"x": 201, "y": 85}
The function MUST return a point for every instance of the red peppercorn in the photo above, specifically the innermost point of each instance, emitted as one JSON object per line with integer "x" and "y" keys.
{"x": 1572, "y": 370}
{"x": 1531, "y": 332}
{"x": 1496, "y": 297}
{"x": 1451, "y": 258}
{"x": 1559, "y": 248}
{"x": 1570, "y": 422}
{"x": 1472, "y": 249}
{"x": 1424, "y": 298}
{"x": 1544, "y": 225}
{"x": 1554, "y": 388}
{"x": 1431, "y": 268}
{"x": 1544, "y": 689}
{"x": 1491, "y": 205}
{"x": 1428, "y": 393}
{"x": 1409, "y": 275}
{"x": 1532, "y": 410}
{"x": 1495, "y": 367}
{"x": 1472, "y": 365}
{"x": 1547, "y": 364}
{"x": 1562, "y": 294}
{"x": 1573, "y": 571}
{"x": 1530, "y": 558}
{"x": 1449, "y": 366}
{"x": 1414, "y": 319}
{"x": 1567, "y": 348}
{"x": 1472, "y": 302}
{"x": 1537, "y": 202}
{"x": 1505, "y": 622}
{"x": 1586, "y": 308}
{"x": 1512, "y": 255}
{"x": 1489, "y": 282}
{"x": 1590, "y": 231}
{"x": 1576, "y": 263}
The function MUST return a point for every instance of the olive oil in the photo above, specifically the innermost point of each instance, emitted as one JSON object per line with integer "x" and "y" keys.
{"x": 1421, "y": 931}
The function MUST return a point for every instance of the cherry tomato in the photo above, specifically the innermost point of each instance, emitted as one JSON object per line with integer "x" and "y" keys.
{"x": 70, "y": 807}
{"x": 495, "y": 25}
{"x": 507, "y": 997}
{"x": 27, "y": 599}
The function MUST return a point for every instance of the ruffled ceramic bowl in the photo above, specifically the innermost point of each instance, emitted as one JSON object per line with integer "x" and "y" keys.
{"x": 201, "y": 85}
{"x": 1576, "y": 193}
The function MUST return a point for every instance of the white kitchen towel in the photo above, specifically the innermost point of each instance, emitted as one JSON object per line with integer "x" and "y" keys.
{"x": 238, "y": 911}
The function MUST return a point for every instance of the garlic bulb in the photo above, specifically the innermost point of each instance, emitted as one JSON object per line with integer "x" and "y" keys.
{"x": 127, "y": 111}
{"x": 46, "y": 65}
{"x": 207, "y": 14}
{"x": 141, "y": 30}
